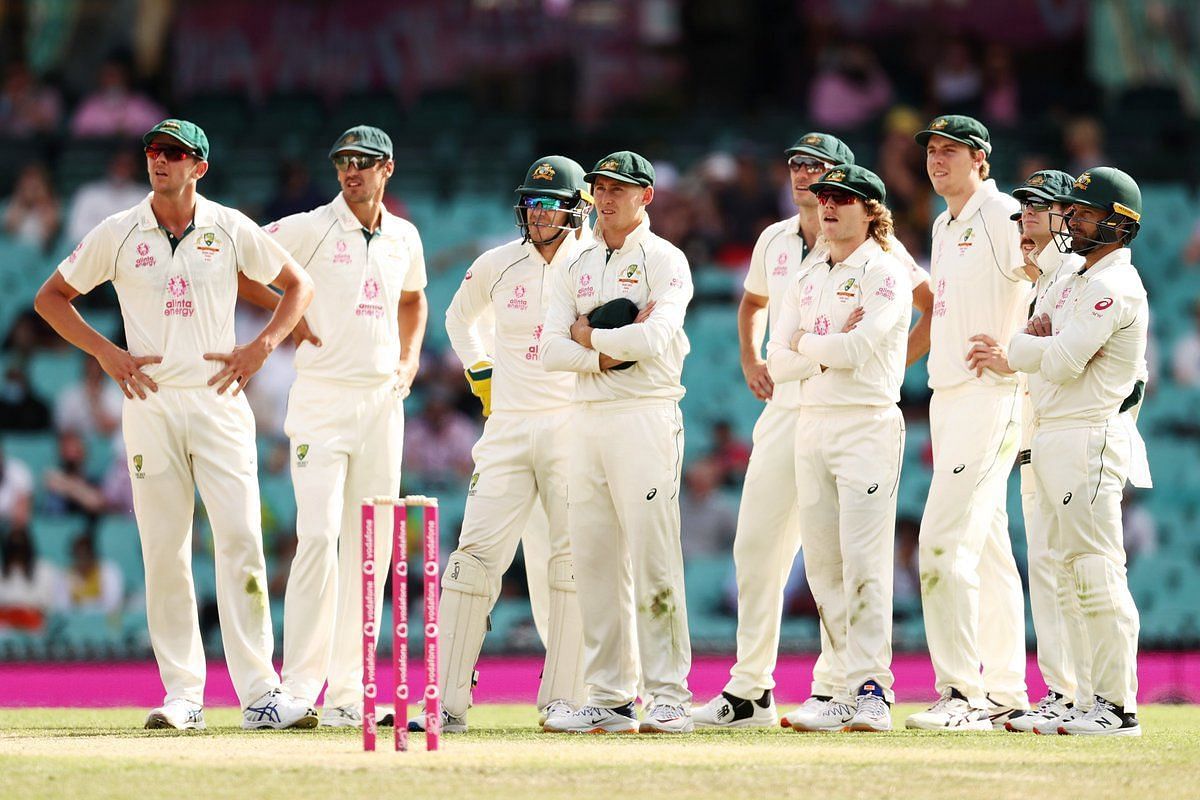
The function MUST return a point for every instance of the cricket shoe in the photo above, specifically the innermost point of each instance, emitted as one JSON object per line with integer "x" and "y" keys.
{"x": 1049, "y": 726}
{"x": 667, "y": 718}
{"x": 1102, "y": 719}
{"x": 818, "y": 714}
{"x": 351, "y": 716}
{"x": 555, "y": 708}
{"x": 278, "y": 710}
{"x": 872, "y": 712}
{"x": 177, "y": 714}
{"x": 729, "y": 711}
{"x": 594, "y": 719}
{"x": 1001, "y": 715}
{"x": 1051, "y": 708}
{"x": 450, "y": 723}
{"x": 951, "y": 712}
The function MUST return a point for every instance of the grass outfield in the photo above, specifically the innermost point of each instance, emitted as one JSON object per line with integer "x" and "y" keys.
{"x": 101, "y": 753}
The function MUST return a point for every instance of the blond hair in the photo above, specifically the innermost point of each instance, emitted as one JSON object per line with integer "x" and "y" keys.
{"x": 881, "y": 227}
{"x": 985, "y": 169}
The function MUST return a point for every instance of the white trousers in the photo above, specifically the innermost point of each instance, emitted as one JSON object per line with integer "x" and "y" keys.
{"x": 177, "y": 441}
{"x": 1081, "y": 473}
{"x": 623, "y": 517}
{"x": 535, "y": 552}
{"x": 764, "y": 548}
{"x": 346, "y": 445}
{"x": 970, "y": 589}
{"x": 847, "y": 474}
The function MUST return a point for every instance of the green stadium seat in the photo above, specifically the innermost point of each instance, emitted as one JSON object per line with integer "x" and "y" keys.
{"x": 117, "y": 540}
{"x": 50, "y": 371}
{"x": 53, "y": 536}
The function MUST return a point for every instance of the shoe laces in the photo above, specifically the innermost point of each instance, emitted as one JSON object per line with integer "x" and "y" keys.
{"x": 836, "y": 708}
{"x": 1102, "y": 706}
{"x": 872, "y": 705}
{"x": 943, "y": 702}
{"x": 667, "y": 712}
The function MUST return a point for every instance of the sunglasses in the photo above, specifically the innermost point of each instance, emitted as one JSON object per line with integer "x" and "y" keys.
{"x": 546, "y": 203}
{"x": 812, "y": 165}
{"x": 169, "y": 152}
{"x": 343, "y": 162}
{"x": 1035, "y": 205}
{"x": 835, "y": 197}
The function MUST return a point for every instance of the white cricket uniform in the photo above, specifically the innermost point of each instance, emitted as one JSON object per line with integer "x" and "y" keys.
{"x": 345, "y": 421}
{"x": 1084, "y": 451}
{"x": 768, "y": 529}
{"x": 971, "y": 592}
{"x": 178, "y": 303}
{"x": 1052, "y": 652}
{"x": 624, "y": 471}
{"x": 520, "y": 465}
{"x": 849, "y": 447}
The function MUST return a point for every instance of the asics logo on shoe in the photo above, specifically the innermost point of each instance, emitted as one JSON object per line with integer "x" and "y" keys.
{"x": 268, "y": 712}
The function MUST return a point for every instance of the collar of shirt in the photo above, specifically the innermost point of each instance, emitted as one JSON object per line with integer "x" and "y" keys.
{"x": 859, "y": 258}
{"x": 566, "y": 251}
{"x": 349, "y": 222}
{"x": 1118, "y": 257}
{"x": 634, "y": 238}
{"x": 204, "y": 216}
{"x": 981, "y": 196}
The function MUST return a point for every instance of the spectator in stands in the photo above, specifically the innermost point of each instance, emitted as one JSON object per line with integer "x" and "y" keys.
{"x": 90, "y": 407}
{"x": 730, "y": 454}
{"x": 30, "y": 587}
{"x": 708, "y": 520}
{"x": 69, "y": 489}
{"x": 32, "y": 214}
{"x": 93, "y": 584}
{"x": 20, "y": 409}
{"x": 1083, "y": 139}
{"x": 438, "y": 442}
{"x": 121, "y": 187}
{"x": 1185, "y": 360}
{"x": 1001, "y": 91}
{"x": 27, "y": 107}
{"x": 1140, "y": 529}
{"x": 957, "y": 83}
{"x": 117, "y": 485}
{"x": 296, "y": 193}
{"x": 114, "y": 108}
{"x": 16, "y": 494}
{"x": 849, "y": 89}
{"x": 746, "y": 206}
{"x": 902, "y": 169}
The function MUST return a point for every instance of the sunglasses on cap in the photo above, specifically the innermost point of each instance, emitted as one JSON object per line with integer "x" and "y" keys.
{"x": 1035, "y": 205}
{"x": 547, "y": 203}
{"x": 168, "y": 151}
{"x": 359, "y": 160}
{"x": 827, "y": 196}
{"x": 813, "y": 165}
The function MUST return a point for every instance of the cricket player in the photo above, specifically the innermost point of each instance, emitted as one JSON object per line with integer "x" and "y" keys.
{"x": 625, "y": 460}
{"x": 768, "y": 532}
{"x": 849, "y": 432}
{"x": 1085, "y": 353}
{"x": 358, "y": 351}
{"x": 1044, "y": 265}
{"x": 175, "y": 260}
{"x": 965, "y": 551}
{"x": 521, "y": 459}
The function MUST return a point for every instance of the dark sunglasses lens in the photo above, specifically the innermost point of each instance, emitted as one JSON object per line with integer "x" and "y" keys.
{"x": 362, "y": 162}
{"x": 837, "y": 198}
{"x": 167, "y": 152}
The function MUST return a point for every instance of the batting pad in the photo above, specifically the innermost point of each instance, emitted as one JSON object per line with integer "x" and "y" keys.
{"x": 465, "y": 605}
{"x": 562, "y": 677}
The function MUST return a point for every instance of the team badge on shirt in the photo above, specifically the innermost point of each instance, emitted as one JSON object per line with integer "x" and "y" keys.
{"x": 965, "y": 242}
{"x": 208, "y": 245}
{"x": 137, "y": 466}
{"x": 847, "y": 291}
{"x": 301, "y": 455}
{"x": 474, "y": 483}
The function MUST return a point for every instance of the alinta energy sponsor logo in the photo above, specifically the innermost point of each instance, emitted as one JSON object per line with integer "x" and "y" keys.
{"x": 370, "y": 293}
{"x": 177, "y": 304}
{"x": 144, "y": 258}
{"x": 75, "y": 253}
{"x": 341, "y": 254}
{"x": 518, "y": 302}
{"x": 821, "y": 325}
{"x": 781, "y": 266}
{"x": 531, "y": 352}
{"x": 888, "y": 290}
{"x": 585, "y": 286}
{"x": 939, "y": 304}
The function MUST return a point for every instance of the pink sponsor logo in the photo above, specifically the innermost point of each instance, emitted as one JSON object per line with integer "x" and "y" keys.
{"x": 939, "y": 305}
{"x": 537, "y": 333}
{"x": 144, "y": 258}
{"x": 586, "y": 288}
{"x": 341, "y": 256}
{"x": 74, "y": 253}
{"x": 1062, "y": 298}
{"x": 821, "y": 325}
{"x": 370, "y": 288}
{"x": 780, "y": 266}
{"x": 177, "y": 306}
{"x": 273, "y": 227}
{"x": 370, "y": 291}
{"x": 518, "y": 303}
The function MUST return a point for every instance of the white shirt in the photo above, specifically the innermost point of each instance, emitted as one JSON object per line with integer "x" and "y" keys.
{"x": 513, "y": 282}
{"x": 16, "y": 482}
{"x": 357, "y": 290}
{"x": 646, "y": 267}
{"x": 178, "y": 305}
{"x": 865, "y": 367}
{"x": 974, "y": 288}
{"x": 74, "y": 410}
{"x": 1102, "y": 308}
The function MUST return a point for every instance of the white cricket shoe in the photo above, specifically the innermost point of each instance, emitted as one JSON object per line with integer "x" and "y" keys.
{"x": 594, "y": 719}
{"x": 1000, "y": 714}
{"x": 177, "y": 714}
{"x": 872, "y": 714}
{"x": 951, "y": 712}
{"x": 1049, "y": 725}
{"x": 555, "y": 708}
{"x": 1051, "y": 708}
{"x": 450, "y": 724}
{"x": 1102, "y": 719}
{"x": 818, "y": 715}
{"x": 667, "y": 718}
{"x": 729, "y": 711}
{"x": 278, "y": 710}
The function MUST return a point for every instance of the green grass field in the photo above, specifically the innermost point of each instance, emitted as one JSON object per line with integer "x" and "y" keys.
{"x": 66, "y": 753}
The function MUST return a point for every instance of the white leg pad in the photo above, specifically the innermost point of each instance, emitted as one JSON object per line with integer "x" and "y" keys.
{"x": 562, "y": 675}
{"x": 465, "y": 604}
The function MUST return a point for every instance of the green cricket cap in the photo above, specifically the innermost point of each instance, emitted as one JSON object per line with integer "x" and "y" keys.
{"x": 827, "y": 148}
{"x": 1044, "y": 184}
{"x": 363, "y": 139}
{"x": 623, "y": 165}
{"x": 189, "y": 134}
{"x": 967, "y": 130}
{"x": 1106, "y": 188}
{"x": 853, "y": 179}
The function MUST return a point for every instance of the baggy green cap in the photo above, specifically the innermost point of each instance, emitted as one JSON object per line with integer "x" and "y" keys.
{"x": 853, "y": 179}
{"x": 967, "y": 130}
{"x": 363, "y": 139}
{"x": 623, "y": 165}
{"x": 1044, "y": 184}
{"x": 827, "y": 148}
{"x": 187, "y": 133}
